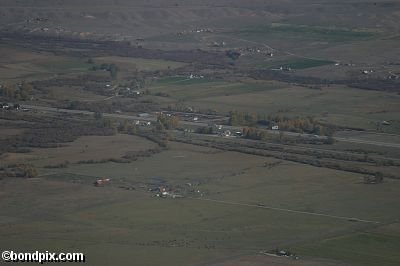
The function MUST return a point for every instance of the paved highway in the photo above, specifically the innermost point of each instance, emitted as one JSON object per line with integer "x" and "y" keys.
{"x": 202, "y": 124}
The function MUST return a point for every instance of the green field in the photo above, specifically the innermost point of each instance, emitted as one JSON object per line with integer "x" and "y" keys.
{"x": 180, "y": 88}
{"x": 63, "y": 65}
{"x": 303, "y": 32}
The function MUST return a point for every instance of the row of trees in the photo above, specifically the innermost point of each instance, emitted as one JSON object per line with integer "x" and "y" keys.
{"x": 254, "y": 133}
{"x": 307, "y": 124}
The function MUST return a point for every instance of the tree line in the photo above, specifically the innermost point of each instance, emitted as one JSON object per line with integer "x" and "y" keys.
{"x": 297, "y": 124}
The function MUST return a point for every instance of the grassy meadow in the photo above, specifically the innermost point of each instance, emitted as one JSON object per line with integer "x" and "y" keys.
{"x": 308, "y": 32}
{"x": 75, "y": 215}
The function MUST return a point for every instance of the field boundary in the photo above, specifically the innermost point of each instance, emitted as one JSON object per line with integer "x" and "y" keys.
{"x": 353, "y": 219}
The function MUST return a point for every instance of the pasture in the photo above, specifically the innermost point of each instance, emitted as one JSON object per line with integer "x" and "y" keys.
{"x": 185, "y": 89}
{"x": 228, "y": 213}
{"x": 294, "y": 31}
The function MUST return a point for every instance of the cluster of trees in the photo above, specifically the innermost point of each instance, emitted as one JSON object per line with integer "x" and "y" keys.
{"x": 162, "y": 138}
{"x": 300, "y": 125}
{"x": 103, "y": 122}
{"x": 307, "y": 124}
{"x": 167, "y": 121}
{"x": 205, "y": 130}
{"x": 234, "y": 55}
{"x": 127, "y": 127}
{"x": 137, "y": 104}
{"x": 21, "y": 91}
{"x": 112, "y": 68}
{"x": 237, "y": 118}
{"x": 51, "y": 132}
{"x": 19, "y": 170}
{"x": 254, "y": 133}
